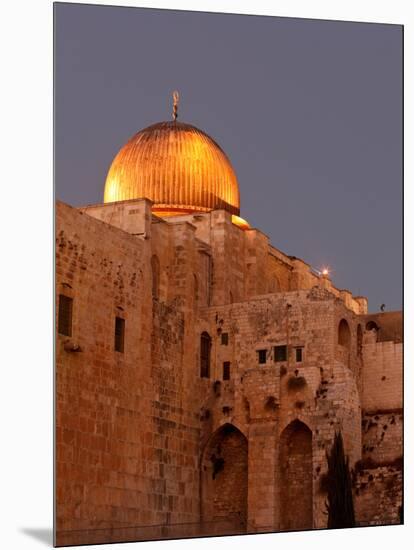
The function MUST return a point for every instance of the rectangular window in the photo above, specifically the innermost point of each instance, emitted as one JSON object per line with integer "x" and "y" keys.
{"x": 299, "y": 355}
{"x": 65, "y": 315}
{"x": 224, "y": 339}
{"x": 280, "y": 353}
{"x": 226, "y": 370}
{"x": 262, "y": 353}
{"x": 119, "y": 334}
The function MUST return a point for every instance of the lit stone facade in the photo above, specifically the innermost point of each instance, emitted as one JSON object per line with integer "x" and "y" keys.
{"x": 147, "y": 447}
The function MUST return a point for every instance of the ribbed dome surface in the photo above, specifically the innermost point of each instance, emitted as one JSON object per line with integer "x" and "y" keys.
{"x": 177, "y": 166}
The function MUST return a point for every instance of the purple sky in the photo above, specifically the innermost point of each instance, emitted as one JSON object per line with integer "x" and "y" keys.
{"x": 309, "y": 112}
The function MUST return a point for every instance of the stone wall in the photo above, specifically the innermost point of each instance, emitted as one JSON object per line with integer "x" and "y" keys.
{"x": 99, "y": 439}
{"x": 127, "y": 425}
{"x": 224, "y": 477}
{"x": 379, "y": 475}
{"x": 382, "y": 374}
{"x": 382, "y": 435}
{"x": 134, "y": 217}
{"x": 378, "y": 495}
{"x": 136, "y": 430}
{"x": 320, "y": 390}
{"x": 389, "y": 325}
{"x": 244, "y": 264}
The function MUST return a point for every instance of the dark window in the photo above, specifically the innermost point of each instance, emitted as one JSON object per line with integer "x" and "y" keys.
{"x": 226, "y": 370}
{"x": 262, "y": 353}
{"x": 280, "y": 353}
{"x": 65, "y": 315}
{"x": 224, "y": 339}
{"x": 119, "y": 334}
{"x": 299, "y": 355}
{"x": 205, "y": 345}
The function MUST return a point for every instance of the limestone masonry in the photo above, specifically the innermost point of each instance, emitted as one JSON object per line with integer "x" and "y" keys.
{"x": 201, "y": 375}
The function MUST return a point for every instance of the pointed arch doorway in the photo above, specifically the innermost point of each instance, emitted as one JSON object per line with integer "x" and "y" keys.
{"x": 296, "y": 487}
{"x": 224, "y": 470}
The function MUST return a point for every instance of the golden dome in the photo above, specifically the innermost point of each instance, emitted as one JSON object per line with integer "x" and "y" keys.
{"x": 177, "y": 166}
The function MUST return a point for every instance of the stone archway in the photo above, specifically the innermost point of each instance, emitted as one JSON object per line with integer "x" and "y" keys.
{"x": 224, "y": 469}
{"x": 296, "y": 491}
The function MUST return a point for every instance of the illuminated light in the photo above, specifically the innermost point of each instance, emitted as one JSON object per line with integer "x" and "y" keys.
{"x": 240, "y": 222}
{"x": 325, "y": 272}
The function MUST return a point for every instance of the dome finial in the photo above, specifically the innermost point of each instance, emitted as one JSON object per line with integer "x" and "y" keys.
{"x": 176, "y": 98}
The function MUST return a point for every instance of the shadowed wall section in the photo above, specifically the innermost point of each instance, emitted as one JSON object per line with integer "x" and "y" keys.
{"x": 224, "y": 477}
{"x": 296, "y": 477}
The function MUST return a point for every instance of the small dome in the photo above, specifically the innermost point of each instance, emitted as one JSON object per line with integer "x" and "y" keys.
{"x": 177, "y": 166}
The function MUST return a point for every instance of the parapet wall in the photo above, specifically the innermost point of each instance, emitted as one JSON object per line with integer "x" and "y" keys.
{"x": 133, "y": 216}
{"x": 382, "y": 377}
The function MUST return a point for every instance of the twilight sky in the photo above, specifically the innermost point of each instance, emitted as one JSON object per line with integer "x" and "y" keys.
{"x": 309, "y": 113}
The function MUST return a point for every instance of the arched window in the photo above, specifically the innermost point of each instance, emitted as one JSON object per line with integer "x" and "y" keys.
{"x": 372, "y": 325}
{"x": 205, "y": 347}
{"x": 344, "y": 334}
{"x": 155, "y": 266}
{"x": 65, "y": 315}
{"x": 372, "y": 328}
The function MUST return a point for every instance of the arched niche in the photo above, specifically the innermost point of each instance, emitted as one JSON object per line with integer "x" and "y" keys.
{"x": 224, "y": 470}
{"x": 295, "y": 467}
{"x": 344, "y": 334}
{"x": 372, "y": 325}
{"x": 373, "y": 330}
